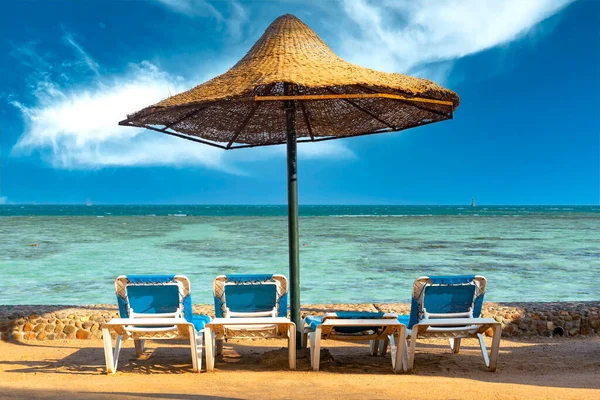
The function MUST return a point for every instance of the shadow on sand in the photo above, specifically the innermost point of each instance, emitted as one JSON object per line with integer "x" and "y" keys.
{"x": 519, "y": 361}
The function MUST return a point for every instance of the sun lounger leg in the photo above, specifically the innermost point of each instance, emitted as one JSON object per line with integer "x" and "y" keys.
{"x": 208, "y": 345}
{"x": 200, "y": 348}
{"x": 383, "y": 346}
{"x": 495, "y": 347}
{"x": 405, "y": 354}
{"x": 292, "y": 346}
{"x": 315, "y": 347}
{"x": 304, "y": 340}
{"x": 484, "y": 353}
{"x": 111, "y": 365}
{"x": 219, "y": 346}
{"x": 374, "y": 347}
{"x": 396, "y": 343}
{"x": 454, "y": 345}
{"x": 192, "y": 334}
{"x": 139, "y": 347}
{"x": 413, "y": 349}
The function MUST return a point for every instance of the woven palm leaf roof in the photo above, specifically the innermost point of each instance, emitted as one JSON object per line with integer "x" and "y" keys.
{"x": 334, "y": 98}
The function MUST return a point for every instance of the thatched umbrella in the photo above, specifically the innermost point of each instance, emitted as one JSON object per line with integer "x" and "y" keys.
{"x": 290, "y": 87}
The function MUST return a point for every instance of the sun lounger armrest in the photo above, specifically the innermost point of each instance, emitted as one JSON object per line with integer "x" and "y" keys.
{"x": 134, "y": 315}
{"x": 146, "y": 322}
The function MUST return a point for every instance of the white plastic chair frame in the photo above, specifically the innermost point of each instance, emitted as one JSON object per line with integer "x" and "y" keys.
{"x": 390, "y": 332}
{"x": 241, "y": 331}
{"x": 151, "y": 326}
{"x": 454, "y": 326}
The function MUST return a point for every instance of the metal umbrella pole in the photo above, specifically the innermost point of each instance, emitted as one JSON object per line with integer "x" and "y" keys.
{"x": 292, "y": 175}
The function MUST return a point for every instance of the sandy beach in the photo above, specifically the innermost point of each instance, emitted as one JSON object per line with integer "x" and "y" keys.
{"x": 539, "y": 368}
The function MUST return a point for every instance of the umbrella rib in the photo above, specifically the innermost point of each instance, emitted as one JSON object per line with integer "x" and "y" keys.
{"x": 186, "y": 116}
{"x": 410, "y": 103}
{"x": 307, "y": 120}
{"x": 363, "y": 110}
{"x": 243, "y": 125}
{"x": 321, "y": 139}
{"x": 179, "y": 135}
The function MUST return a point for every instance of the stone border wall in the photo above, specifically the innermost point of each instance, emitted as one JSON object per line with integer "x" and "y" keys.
{"x": 51, "y": 322}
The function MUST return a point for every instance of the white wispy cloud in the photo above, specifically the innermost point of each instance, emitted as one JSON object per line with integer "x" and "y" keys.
{"x": 85, "y": 57}
{"x": 76, "y": 127}
{"x": 406, "y": 36}
{"x": 200, "y": 8}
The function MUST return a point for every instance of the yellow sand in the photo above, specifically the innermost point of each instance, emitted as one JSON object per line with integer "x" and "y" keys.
{"x": 540, "y": 369}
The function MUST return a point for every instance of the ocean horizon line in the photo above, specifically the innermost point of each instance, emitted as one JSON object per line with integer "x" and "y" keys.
{"x": 83, "y": 204}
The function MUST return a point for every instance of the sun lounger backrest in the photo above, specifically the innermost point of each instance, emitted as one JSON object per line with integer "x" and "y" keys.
{"x": 250, "y": 293}
{"x": 447, "y": 295}
{"x": 154, "y": 294}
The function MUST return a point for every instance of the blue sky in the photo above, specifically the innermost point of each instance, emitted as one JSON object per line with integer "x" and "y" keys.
{"x": 527, "y": 130}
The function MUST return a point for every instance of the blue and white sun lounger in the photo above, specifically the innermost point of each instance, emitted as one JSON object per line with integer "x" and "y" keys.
{"x": 249, "y": 306}
{"x": 153, "y": 307}
{"x": 375, "y": 327}
{"x": 448, "y": 307}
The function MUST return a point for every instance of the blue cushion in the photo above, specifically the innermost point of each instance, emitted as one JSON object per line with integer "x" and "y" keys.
{"x": 199, "y": 321}
{"x": 404, "y": 319}
{"x": 314, "y": 321}
{"x": 359, "y": 314}
{"x": 453, "y": 297}
{"x": 153, "y": 299}
{"x": 448, "y": 299}
{"x": 251, "y": 298}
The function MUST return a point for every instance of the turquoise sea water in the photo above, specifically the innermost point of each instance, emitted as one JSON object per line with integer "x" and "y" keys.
{"x": 347, "y": 254}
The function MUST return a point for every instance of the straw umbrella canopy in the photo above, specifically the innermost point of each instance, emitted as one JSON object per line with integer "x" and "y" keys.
{"x": 290, "y": 87}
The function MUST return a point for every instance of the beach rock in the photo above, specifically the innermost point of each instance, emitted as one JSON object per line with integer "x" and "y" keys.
{"x": 51, "y": 336}
{"x": 585, "y": 331}
{"x": 29, "y": 336}
{"x": 69, "y": 329}
{"x": 42, "y": 335}
{"x": 82, "y": 334}
{"x": 87, "y": 325}
{"x": 18, "y": 336}
{"x": 573, "y": 331}
{"x": 59, "y": 328}
{"x": 94, "y": 327}
{"x": 39, "y": 327}
{"x": 28, "y": 327}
